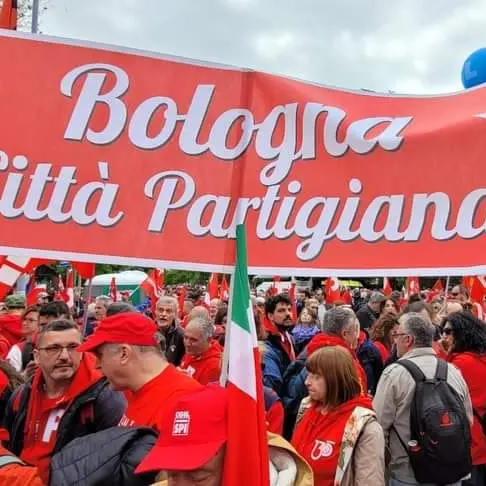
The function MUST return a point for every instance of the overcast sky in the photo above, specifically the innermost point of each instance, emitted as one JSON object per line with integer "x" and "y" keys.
{"x": 411, "y": 46}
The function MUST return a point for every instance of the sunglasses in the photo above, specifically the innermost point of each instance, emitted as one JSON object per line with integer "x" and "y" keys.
{"x": 447, "y": 331}
{"x": 454, "y": 294}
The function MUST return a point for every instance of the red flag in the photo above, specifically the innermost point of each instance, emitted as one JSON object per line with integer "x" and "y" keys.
{"x": 274, "y": 287}
{"x": 69, "y": 290}
{"x": 213, "y": 286}
{"x": 413, "y": 286}
{"x": 153, "y": 286}
{"x": 346, "y": 297}
{"x": 292, "y": 292}
{"x": 86, "y": 270}
{"x": 224, "y": 291}
{"x": 182, "y": 298}
{"x": 478, "y": 289}
{"x": 113, "y": 290}
{"x": 438, "y": 287}
{"x": 31, "y": 298}
{"x": 11, "y": 268}
{"x": 387, "y": 288}
{"x": 8, "y": 15}
{"x": 331, "y": 288}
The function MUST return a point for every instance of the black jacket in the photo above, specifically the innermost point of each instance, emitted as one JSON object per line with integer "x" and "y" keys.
{"x": 174, "y": 344}
{"x": 104, "y": 458}
{"x": 366, "y": 317}
{"x": 107, "y": 406}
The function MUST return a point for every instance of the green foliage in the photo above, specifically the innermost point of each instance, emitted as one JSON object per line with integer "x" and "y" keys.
{"x": 173, "y": 277}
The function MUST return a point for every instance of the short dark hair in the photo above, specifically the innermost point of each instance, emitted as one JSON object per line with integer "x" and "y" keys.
{"x": 272, "y": 302}
{"x": 62, "y": 308}
{"x": 50, "y": 309}
{"x": 119, "y": 308}
{"x": 57, "y": 326}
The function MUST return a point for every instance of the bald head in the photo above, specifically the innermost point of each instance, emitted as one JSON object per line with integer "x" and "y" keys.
{"x": 199, "y": 311}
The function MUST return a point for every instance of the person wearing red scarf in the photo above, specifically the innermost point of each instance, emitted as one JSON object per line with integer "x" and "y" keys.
{"x": 11, "y": 323}
{"x": 202, "y": 360}
{"x": 383, "y": 335}
{"x": 30, "y": 329}
{"x": 464, "y": 337}
{"x": 279, "y": 347}
{"x": 67, "y": 398}
{"x": 338, "y": 434}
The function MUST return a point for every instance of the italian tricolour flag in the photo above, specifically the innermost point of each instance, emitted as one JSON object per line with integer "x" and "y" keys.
{"x": 247, "y": 451}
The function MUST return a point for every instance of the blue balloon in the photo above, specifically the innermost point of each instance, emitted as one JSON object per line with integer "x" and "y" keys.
{"x": 474, "y": 69}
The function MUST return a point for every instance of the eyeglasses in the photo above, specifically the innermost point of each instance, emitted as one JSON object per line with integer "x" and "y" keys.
{"x": 398, "y": 334}
{"x": 56, "y": 350}
{"x": 447, "y": 331}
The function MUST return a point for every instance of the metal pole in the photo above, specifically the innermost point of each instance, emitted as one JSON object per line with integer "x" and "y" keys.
{"x": 224, "y": 369}
{"x": 35, "y": 16}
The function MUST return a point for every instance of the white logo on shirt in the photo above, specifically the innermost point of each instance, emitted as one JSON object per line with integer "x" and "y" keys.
{"x": 322, "y": 449}
{"x": 52, "y": 424}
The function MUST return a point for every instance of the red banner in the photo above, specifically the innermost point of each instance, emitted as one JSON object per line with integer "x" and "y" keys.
{"x": 133, "y": 158}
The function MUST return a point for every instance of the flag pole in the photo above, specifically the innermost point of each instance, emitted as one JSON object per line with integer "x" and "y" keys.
{"x": 88, "y": 300}
{"x": 224, "y": 368}
{"x": 446, "y": 291}
{"x": 35, "y": 17}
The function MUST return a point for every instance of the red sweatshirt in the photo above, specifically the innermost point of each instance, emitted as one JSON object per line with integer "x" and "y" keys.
{"x": 205, "y": 368}
{"x": 473, "y": 369}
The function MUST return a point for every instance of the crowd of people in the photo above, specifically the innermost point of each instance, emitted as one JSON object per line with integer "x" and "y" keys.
{"x": 380, "y": 390}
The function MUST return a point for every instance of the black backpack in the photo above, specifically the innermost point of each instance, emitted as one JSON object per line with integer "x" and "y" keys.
{"x": 440, "y": 441}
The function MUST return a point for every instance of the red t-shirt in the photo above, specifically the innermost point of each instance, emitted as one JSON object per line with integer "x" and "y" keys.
{"x": 38, "y": 450}
{"x": 150, "y": 404}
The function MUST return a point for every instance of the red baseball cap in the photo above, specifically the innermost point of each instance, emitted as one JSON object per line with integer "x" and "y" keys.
{"x": 125, "y": 327}
{"x": 192, "y": 434}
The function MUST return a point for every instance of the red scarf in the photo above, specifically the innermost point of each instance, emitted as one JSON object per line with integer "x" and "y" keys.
{"x": 85, "y": 376}
{"x": 318, "y": 436}
{"x": 284, "y": 337}
{"x": 323, "y": 340}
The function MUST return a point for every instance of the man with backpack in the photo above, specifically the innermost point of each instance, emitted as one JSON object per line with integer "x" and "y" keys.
{"x": 424, "y": 407}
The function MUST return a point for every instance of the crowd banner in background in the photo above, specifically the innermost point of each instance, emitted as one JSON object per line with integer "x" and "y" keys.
{"x": 128, "y": 157}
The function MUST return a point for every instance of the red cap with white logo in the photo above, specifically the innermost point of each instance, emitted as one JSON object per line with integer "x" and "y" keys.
{"x": 192, "y": 434}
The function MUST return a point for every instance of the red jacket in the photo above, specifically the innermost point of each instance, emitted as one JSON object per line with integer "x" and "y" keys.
{"x": 473, "y": 369}
{"x": 205, "y": 368}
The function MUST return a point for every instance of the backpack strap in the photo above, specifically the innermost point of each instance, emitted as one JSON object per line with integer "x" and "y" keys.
{"x": 441, "y": 370}
{"x": 7, "y": 460}
{"x": 413, "y": 369}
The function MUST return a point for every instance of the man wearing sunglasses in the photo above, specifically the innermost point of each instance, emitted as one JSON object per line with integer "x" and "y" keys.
{"x": 67, "y": 398}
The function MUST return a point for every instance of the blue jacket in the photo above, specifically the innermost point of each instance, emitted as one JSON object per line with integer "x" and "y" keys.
{"x": 275, "y": 362}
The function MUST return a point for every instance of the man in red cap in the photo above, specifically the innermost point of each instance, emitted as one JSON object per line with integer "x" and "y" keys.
{"x": 191, "y": 447}
{"x": 130, "y": 351}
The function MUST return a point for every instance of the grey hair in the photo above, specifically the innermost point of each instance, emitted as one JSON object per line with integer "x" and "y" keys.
{"x": 166, "y": 300}
{"x": 337, "y": 319}
{"x": 376, "y": 297}
{"x": 205, "y": 325}
{"x": 417, "y": 326}
{"x": 104, "y": 299}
